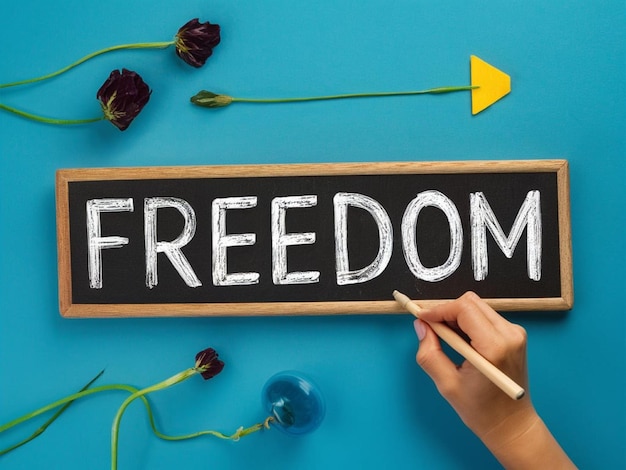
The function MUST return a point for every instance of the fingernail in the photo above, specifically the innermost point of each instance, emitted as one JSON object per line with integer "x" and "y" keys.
{"x": 419, "y": 329}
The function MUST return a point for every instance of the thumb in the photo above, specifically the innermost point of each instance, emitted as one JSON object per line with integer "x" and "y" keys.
{"x": 431, "y": 357}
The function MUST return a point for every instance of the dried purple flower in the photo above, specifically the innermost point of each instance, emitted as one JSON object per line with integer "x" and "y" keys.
{"x": 208, "y": 364}
{"x": 195, "y": 41}
{"x": 122, "y": 96}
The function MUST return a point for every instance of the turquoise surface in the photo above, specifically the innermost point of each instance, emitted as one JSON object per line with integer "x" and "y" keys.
{"x": 567, "y": 61}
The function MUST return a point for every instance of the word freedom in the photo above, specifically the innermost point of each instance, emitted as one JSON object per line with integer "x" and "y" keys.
{"x": 482, "y": 218}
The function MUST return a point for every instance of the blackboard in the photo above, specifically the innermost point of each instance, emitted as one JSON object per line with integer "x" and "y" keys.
{"x": 312, "y": 239}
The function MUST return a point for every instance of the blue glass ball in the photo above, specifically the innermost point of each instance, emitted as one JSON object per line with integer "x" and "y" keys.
{"x": 294, "y": 401}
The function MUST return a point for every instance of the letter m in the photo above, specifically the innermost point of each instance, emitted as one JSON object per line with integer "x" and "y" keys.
{"x": 483, "y": 218}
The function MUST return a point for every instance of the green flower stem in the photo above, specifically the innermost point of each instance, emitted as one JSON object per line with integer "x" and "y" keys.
{"x": 46, "y": 120}
{"x": 53, "y": 418}
{"x": 208, "y": 99}
{"x": 135, "y": 393}
{"x": 141, "y": 45}
{"x": 241, "y": 432}
{"x": 184, "y": 375}
{"x": 62, "y": 401}
{"x": 355, "y": 95}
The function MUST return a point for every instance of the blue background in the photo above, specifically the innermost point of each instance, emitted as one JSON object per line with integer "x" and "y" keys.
{"x": 567, "y": 61}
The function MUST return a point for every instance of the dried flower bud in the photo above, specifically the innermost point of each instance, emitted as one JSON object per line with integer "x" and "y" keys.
{"x": 122, "y": 96}
{"x": 195, "y": 41}
{"x": 208, "y": 364}
{"x": 208, "y": 99}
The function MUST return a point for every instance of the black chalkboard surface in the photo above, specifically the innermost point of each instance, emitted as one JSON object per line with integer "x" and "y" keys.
{"x": 312, "y": 239}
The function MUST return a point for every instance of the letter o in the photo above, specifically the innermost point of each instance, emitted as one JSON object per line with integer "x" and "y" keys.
{"x": 436, "y": 199}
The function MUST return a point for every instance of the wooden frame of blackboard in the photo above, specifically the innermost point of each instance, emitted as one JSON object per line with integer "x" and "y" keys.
{"x": 69, "y": 308}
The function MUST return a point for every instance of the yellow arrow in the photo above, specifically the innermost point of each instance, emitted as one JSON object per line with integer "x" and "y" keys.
{"x": 492, "y": 84}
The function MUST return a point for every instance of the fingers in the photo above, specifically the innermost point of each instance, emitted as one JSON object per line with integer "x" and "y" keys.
{"x": 489, "y": 333}
{"x": 432, "y": 359}
{"x": 469, "y": 313}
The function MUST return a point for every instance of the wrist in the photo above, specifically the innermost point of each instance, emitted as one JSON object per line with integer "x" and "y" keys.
{"x": 510, "y": 428}
{"x": 523, "y": 441}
